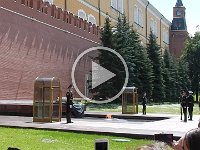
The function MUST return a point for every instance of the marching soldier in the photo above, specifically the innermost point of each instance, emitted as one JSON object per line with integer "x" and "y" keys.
{"x": 180, "y": 101}
{"x": 144, "y": 103}
{"x": 69, "y": 97}
{"x": 190, "y": 104}
{"x": 184, "y": 104}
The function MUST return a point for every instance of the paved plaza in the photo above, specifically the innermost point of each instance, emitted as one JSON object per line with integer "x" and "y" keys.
{"x": 138, "y": 126}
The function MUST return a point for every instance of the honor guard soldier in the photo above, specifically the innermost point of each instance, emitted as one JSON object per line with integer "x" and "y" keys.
{"x": 190, "y": 104}
{"x": 184, "y": 104}
{"x": 144, "y": 103}
{"x": 69, "y": 103}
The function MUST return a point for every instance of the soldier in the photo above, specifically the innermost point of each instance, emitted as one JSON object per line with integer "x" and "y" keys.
{"x": 184, "y": 104}
{"x": 144, "y": 103}
{"x": 69, "y": 97}
{"x": 190, "y": 104}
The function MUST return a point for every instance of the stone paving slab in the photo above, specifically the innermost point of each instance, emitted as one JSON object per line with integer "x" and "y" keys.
{"x": 119, "y": 127}
{"x": 146, "y": 127}
{"x": 16, "y": 102}
{"x": 129, "y": 116}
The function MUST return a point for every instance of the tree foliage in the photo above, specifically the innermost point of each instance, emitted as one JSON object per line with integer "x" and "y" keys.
{"x": 161, "y": 77}
{"x": 110, "y": 62}
{"x": 125, "y": 41}
{"x": 153, "y": 50}
{"x": 191, "y": 55}
{"x": 170, "y": 76}
{"x": 142, "y": 74}
{"x": 183, "y": 77}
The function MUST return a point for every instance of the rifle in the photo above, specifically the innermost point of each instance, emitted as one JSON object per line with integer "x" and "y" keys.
{"x": 181, "y": 111}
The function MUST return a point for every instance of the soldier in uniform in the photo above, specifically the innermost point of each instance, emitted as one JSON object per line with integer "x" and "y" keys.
{"x": 69, "y": 97}
{"x": 184, "y": 104}
{"x": 190, "y": 104}
{"x": 144, "y": 103}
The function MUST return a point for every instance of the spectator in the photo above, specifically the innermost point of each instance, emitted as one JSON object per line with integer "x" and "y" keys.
{"x": 13, "y": 148}
{"x": 155, "y": 146}
{"x": 190, "y": 141}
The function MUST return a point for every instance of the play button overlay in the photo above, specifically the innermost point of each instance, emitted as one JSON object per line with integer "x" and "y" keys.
{"x": 100, "y": 75}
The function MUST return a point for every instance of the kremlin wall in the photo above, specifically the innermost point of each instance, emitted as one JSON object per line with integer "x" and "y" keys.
{"x": 39, "y": 39}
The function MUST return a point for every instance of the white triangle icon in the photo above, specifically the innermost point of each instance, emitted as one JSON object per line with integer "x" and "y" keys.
{"x": 100, "y": 75}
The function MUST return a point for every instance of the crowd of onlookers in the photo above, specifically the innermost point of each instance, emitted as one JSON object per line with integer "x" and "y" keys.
{"x": 190, "y": 141}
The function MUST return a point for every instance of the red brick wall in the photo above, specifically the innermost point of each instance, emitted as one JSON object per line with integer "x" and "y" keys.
{"x": 40, "y": 46}
{"x": 177, "y": 42}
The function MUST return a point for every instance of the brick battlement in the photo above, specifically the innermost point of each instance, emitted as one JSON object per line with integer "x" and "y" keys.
{"x": 40, "y": 40}
{"x": 47, "y": 13}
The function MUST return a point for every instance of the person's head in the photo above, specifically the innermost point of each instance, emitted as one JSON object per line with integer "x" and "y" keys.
{"x": 145, "y": 148}
{"x": 191, "y": 141}
{"x": 13, "y": 148}
{"x": 184, "y": 92}
{"x": 70, "y": 88}
{"x": 155, "y": 146}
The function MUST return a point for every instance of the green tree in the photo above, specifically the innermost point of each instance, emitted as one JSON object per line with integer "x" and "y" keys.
{"x": 174, "y": 80}
{"x": 119, "y": 41}
{"x": 153, "y": 50}
{"x": 126, "y": 42}
{"x": 183, "y": 77}
{"x": 108, "y": 61}
{"x": 166, "y": 74}
{"x": 106, "y": 34}
{"x": 142, "y": 72}
{"x": 121, "y": 34}
{"x": 170, "y": 77}
{"x": 122, "y": 44}
{"x": 191, "y": 55}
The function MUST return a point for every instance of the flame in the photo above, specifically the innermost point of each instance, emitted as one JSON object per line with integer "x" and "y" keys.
{"x": 109, "y": 116}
